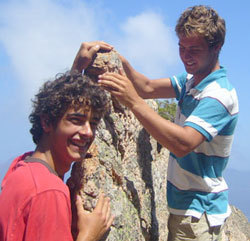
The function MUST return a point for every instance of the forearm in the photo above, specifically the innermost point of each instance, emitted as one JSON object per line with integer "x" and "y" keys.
{"x": 175, "y": 138}
{"x": 140, "y": 81}
{"x": 148, "y": 88}
{"x": 77, "y": 65}
{"x": 179, "y": 140}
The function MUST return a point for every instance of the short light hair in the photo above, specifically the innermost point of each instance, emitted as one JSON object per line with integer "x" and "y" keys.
{"x": 202, "y": 21}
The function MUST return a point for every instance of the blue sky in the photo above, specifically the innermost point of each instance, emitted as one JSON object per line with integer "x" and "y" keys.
{"x": 39, "y": 38}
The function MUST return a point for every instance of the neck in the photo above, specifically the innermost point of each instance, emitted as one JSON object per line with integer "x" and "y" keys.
{"x": 200, "y": 76}
{"x": 44, "y": 153}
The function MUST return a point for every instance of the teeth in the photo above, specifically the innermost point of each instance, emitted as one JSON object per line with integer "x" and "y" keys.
{"x": 79, "y": 144}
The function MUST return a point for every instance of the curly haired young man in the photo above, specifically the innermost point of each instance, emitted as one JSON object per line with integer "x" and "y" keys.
{"x": 200, "y": 139}
{"x": 35, "y": 202}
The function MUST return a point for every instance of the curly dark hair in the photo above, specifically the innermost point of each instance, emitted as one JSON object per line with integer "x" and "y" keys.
{"x": 56, "y": 96}
{"x": 202, "y": 21}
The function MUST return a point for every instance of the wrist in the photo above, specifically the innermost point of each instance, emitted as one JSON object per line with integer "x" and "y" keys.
{"x": 76, "y": 68}
{"x": 137, "y": 105}
{"x": 83, "y": 236}
{"x": 79, "y": 64}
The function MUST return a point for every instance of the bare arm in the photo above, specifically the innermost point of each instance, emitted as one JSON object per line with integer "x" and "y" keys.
{"x": 92, "y": 226}
{"x": 148, "y": 88}
{"x": 179, "y": 140}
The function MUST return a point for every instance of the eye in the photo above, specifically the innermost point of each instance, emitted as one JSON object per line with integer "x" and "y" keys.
{"x": 194, "y": 51}
{"x": 76, "y": 120}
{"x": 181, "y": 48}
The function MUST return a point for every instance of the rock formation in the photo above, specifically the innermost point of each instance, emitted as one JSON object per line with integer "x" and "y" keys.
{"x": 236, "y": 227}
{"x": 125, "y": 164}
{"x": 128, "y": 165}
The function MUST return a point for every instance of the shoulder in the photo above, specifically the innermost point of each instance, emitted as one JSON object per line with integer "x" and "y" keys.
{"x": 225, "y": 94}
{"x": 181, "y": 78}
{"x": 34, "y": 178}
{"x": 44, "y": 180}
{"x": 32, "y": 192}
{"x": 179, "y": 83}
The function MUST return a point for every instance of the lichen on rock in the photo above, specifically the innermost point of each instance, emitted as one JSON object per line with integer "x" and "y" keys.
{"x": 125, "y": 165}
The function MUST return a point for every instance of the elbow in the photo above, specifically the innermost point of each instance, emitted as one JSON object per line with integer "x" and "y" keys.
{"x": 147, "y": 90}
{"x": 181, "y": 151}
{"x": 185, "y": 146}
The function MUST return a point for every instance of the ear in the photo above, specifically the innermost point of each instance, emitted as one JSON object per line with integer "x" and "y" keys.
{"x": 217, "y": 48}
{"x": 46, "y": 125}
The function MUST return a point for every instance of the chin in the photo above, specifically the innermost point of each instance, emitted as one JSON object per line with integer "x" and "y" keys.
{"x": 80, "y": 156}
{"x": 77, "y": 154}
{"x": 76, "y": 157}
{"x": 78, "y": 160}
{"x": 189, "y": 70}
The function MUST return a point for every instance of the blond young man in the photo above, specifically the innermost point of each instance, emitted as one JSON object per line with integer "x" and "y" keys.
{"x": 200, "y": 139}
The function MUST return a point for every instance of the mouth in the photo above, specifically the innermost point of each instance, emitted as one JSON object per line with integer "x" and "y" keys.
{"x": 81, "y": 146}
{"x": 189, "y": 63}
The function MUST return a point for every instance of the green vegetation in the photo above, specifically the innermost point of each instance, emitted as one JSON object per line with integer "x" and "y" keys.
{"x": 167, "y": 109}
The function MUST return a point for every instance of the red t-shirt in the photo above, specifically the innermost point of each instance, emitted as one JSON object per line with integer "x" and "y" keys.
{"x": 34, "y": 204}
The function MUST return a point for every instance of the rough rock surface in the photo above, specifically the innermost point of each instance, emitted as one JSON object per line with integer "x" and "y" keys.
{"x": 103, "y": 62}
{"x": 130, "y": 167}
{"x": 237, "y": 227}
{"x": 125, "y": 165}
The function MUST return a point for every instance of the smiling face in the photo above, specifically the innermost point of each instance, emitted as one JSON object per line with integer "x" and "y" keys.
{"x": 198, "y": 58}
{"x": 72, "y": 136}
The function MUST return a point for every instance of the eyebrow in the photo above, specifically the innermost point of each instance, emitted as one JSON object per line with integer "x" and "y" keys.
{"x": 83, "y": 116}
{"x": 77, "y": 115}
{"x": 192, "y": 46}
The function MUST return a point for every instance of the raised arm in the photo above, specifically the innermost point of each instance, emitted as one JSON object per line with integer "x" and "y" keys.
{"x": 148, "y": 88}
{"x": 177, "y": 139}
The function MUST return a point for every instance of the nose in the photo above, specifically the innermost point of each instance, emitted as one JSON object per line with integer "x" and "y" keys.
{"x": 86, "y": 130}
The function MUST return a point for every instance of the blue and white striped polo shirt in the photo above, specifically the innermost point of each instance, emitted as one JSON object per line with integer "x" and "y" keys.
{"x": 195, "y": 182}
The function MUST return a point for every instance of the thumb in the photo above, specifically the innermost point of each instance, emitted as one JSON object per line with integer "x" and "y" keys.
{"x": 79, "y": 205}
{"x": 122, "y": 72}
{"x": 93, "y": 50}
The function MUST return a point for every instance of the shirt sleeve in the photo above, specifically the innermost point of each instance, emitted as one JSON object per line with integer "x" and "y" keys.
{"x": 209, "y": 118}
{"x": 49, "y": 217}
{"x": 178, "y": 83}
